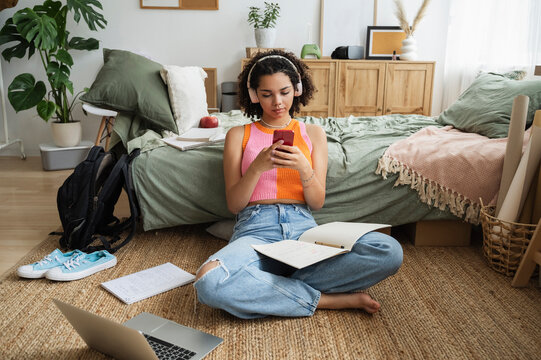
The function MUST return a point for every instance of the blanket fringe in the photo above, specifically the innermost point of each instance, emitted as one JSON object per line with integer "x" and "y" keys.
{"x": 430, "y": 192}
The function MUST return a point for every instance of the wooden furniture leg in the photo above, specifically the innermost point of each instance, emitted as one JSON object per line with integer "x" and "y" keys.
{"x": 532, "y": 256}
{"x": 100, "y": 130}
{"x": 109, "y": 132}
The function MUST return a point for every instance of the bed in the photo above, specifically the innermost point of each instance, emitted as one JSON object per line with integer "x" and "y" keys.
{"x": 176, "y": 187}
{"x": 185, "y": 187}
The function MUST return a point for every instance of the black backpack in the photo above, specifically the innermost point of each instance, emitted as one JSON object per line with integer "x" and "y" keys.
{"x": 86, "y": 202}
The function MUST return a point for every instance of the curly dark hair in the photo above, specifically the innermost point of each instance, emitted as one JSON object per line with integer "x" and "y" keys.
{"x": 269, "y": 67}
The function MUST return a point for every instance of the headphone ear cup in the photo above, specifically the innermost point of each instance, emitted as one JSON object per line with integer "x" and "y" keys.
{"x": 253, "y": 96}
{"x": 298, "y": 89}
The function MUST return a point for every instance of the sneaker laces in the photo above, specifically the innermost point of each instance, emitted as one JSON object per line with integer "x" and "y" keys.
{"x": 74, "y": 262}
{"x": 48, "y": 258}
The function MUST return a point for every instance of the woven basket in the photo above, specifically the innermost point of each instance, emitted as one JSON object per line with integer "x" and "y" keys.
{"x": 504, "y": 243}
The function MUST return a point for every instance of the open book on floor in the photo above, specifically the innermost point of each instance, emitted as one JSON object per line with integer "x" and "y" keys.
{"x": 318, "y": 243}
{"x": 196, "y": 137}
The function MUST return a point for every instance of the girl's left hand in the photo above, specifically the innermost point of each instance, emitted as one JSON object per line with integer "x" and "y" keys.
{"x": 290, "y": 157}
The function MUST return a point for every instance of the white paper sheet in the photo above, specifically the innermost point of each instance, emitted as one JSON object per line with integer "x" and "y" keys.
{"x": 146, "y": 283}
{"x": 318, "y": 243}
{"x": 339, "y": 233}
{"x": 297, "y": 254}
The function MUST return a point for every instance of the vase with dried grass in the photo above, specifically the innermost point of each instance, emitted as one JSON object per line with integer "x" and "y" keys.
{"x": 409, "y": 44}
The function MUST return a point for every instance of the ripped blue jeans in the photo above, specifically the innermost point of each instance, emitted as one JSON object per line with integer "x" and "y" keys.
{"x": 250, "y": 285}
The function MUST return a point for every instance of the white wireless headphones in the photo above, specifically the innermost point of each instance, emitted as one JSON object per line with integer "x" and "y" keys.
{"x": 253, "y": 93}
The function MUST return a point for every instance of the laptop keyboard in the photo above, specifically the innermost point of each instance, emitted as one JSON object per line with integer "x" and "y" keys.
{"x": 165, "y": 350}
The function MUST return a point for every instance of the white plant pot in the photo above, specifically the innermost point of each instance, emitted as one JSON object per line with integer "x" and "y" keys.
{"x": 264, "y": 38}
{"x": 66, "y": 134}
{"x": 409, "y": 49}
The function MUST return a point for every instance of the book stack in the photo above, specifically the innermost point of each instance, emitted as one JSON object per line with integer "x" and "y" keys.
{"x": 196, "y": 137}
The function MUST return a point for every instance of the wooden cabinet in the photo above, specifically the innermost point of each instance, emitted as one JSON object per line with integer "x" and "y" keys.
{"x": 408, "y": 88}
{"x": 370, "y": 87}
{"x": 361, "y": 88}
{"x": 323, "y": 75}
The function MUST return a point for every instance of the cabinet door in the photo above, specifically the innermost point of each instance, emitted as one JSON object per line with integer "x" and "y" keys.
{"x": 360, "y": 88}
{"x": 323, "y": 75}
{"x": 409, "y": 88}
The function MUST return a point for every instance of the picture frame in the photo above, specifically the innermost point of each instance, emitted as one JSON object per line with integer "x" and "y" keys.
{"x": 381, "y": 41}
{"x": 179, "y": 4}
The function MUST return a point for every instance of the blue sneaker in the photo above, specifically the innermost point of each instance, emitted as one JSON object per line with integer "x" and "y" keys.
{"x": 81, "y": 266}
{"x": 38, "y": 269}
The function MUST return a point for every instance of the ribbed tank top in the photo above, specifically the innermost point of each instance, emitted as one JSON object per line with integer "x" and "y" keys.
{"x": 278, "y": 183}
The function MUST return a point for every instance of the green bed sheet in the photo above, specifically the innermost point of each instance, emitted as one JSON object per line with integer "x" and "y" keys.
{"x": 186, "y": 187}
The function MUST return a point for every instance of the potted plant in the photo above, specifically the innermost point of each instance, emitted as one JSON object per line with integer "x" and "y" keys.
{"x": 42, "y": 30}
{"x": 264, "y": 23}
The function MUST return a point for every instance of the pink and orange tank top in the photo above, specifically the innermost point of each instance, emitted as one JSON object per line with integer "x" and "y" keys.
{"x": 278, "y": 183}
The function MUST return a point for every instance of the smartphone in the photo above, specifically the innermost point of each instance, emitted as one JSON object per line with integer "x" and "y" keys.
{"x": 286, "y": 135}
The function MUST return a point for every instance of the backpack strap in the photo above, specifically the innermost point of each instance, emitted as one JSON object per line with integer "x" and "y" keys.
{"x": 123, "y": 165}
{"x": 94, "y": 152}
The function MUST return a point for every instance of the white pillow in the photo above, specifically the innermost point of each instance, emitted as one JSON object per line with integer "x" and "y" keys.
{"x": 186, "y": 86}
{"x": 222, "y": 229}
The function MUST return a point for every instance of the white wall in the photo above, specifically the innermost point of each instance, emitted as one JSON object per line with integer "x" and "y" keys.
{"x": 209, "y": 39}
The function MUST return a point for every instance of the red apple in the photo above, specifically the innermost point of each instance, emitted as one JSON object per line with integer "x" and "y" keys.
{"x": 208, "y": 122}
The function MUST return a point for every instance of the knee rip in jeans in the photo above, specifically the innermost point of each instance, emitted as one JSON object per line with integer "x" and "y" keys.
{"x": 207, "y": 267}
{"x": 203, "y": 270}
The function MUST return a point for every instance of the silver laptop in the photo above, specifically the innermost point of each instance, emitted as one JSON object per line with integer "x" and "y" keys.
{"x": 145, "y": 336}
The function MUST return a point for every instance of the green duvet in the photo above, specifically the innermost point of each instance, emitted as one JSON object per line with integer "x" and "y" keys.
{"x": 186, "y": 187}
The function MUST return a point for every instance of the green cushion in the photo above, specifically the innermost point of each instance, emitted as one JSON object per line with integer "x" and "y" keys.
{"x": 485, "y": 107}
{"x": 132, "y": 83}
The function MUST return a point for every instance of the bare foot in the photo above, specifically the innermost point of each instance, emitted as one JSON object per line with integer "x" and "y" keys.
{"x": 349, "y": 301}
{"x": 367, "y": 303}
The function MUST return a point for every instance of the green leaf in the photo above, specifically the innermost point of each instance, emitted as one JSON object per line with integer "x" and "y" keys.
{"x": 41, "y": 30}
{"x": 64, "y": 57}
{"x": 24, "y": 92}
{"x": 59, "y": 75}
{"x": 9, "y": 34}
{"x": 78, "y": 43}
{"x": 49, "y": 8}
{"x": 84, "y": 9}
{"x": 59, "y": 13}
{"x": 46, "y": 109}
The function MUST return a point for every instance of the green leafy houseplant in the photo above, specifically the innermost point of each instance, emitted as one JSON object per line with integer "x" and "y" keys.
{"x": 42, "y": 29}
{"x": 265, "y": 19}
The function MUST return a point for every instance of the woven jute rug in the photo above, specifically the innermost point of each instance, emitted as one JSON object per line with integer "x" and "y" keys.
{"x": 444, "y": 303}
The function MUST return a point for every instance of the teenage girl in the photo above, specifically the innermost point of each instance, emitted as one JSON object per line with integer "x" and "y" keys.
{"x": 273, "y": 188}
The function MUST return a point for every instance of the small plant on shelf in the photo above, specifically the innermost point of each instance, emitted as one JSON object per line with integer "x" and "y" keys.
{"x": 267, "y": 18}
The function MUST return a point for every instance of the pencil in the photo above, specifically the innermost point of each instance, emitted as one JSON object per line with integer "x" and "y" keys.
{"x": 331, "y": 245}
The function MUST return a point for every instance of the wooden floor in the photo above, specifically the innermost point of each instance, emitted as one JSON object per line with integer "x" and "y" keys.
{"x": 28, "y": 211}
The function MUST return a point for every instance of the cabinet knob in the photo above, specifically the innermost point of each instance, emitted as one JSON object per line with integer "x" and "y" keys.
{"x": 388, "y": 110}
{"x": 378, "y": 110}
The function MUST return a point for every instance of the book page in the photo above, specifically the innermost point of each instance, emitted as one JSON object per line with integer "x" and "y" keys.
{"x": 297, "y": 254}
{"x": 146, "y": 283}
{"x": 341, "y": 234}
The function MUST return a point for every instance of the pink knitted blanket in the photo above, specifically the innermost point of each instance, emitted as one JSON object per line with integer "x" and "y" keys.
{"x": 450, "y": 169}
